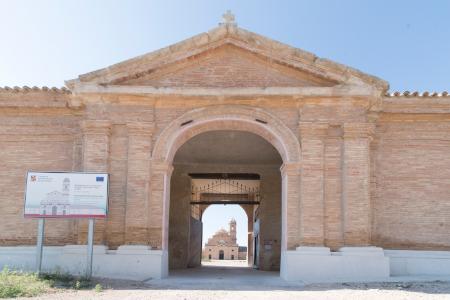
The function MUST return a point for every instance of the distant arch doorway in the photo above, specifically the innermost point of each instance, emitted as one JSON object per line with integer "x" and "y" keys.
{"x": 215, "y": 219}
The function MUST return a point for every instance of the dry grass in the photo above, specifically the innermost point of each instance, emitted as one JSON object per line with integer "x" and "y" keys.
{"x": 24, "y": 284}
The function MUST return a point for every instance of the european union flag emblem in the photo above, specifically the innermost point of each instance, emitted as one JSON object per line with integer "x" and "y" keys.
{"x": 99, "y": 178}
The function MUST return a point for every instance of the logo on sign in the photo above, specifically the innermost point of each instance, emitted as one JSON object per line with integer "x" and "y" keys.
{"x": 99, "y": 178}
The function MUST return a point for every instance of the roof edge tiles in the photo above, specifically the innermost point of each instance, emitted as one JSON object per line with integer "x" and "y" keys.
{"x": 27, "y": 89}
{"x": 417, "y": 94}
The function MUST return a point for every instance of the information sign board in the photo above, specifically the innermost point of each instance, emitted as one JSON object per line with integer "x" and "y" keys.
{"x": 66, "y": 195}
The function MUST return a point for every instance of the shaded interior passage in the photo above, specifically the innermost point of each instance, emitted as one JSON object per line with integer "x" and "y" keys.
{"x": 231, "y": 167}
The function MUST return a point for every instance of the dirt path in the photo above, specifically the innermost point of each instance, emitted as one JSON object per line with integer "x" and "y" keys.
{"x": 122, "y": 290}
{"x": 236, "y": 282}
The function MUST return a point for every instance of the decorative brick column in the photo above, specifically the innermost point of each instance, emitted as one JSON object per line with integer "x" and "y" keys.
{"x": 138, "y": 176}
{"x": 312, "y": 137}
{"x": 96, "y": 138}
{"x": 290, "y": 205}
{"x": 356, "y": 184}
{"x": 159, "y": 204}
{"x": 333, "y": 188}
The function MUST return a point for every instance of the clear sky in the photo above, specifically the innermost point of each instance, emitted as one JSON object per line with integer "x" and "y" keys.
{"x": 406, "y": 42}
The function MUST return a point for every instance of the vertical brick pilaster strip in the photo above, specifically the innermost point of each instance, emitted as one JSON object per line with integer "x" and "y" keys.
{"x": 290, "y": 180}
{"x": 138, "y": 176}
{"x": 334, "y": 237}
{"x": 96, "y": 143}
{"x": 312, "y": 137}
{"x": 356, "y": 184}
{"x": 159, "y": 203}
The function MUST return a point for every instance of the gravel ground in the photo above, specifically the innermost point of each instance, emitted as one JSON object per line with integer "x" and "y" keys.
{"x": 122, "y": 290}
{"x": 222, "y": 280}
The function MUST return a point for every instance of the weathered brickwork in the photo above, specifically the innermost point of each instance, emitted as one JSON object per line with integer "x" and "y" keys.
{"x": 227, "y": 66}
{"x": 413, "y": 184}
{"x": 356, "y": 184}
{"x": 96, "y": 158}
{"x": 138, "y": 175}
{"x": 358, "y": 167}
{"x": 118, "y": 163}
{"x": 312, "y": 137}
{"x": 333, "y": 188}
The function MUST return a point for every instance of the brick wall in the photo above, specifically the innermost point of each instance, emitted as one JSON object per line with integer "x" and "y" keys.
{"x": 227, "y": 66}
{"x": 411, "y": 207}
{"x": 410, "y": 165}
{"x": 42, "y": 138}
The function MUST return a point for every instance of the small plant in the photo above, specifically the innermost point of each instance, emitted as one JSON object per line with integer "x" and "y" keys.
{"x": 82, "y": 283}
{"x": 25, "y": 284}
{"x": 21, "y": 284}
{"x": 98, "y": 288}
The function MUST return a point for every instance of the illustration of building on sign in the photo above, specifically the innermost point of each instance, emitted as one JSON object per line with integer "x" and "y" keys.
{"x": 57, "y": 203}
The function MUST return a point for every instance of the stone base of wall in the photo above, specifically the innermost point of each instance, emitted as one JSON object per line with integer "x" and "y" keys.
{"x": 307, "y": 264}
{"x": 419, "y": 263}
{"x": 127, "y": 262}
{"x": 319, "y": 264}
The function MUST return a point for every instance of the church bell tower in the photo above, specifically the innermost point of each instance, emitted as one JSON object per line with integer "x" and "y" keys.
{"x": 233, "y": 230}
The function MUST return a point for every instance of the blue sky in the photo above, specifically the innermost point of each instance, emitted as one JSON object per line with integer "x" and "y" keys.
{"x": 406, "y": 42}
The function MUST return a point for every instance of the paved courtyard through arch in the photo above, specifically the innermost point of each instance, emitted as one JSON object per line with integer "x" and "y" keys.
{"x": 224, "y": 275}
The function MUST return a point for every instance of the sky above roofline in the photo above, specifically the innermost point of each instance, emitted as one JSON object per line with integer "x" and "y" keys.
{"x": 404, "y": 42}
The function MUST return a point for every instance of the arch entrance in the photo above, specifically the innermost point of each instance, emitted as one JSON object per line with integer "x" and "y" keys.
{"x": 225, "y": 140}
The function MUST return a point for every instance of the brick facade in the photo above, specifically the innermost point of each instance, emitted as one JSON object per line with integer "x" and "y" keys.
{"x": 359, "y": 167}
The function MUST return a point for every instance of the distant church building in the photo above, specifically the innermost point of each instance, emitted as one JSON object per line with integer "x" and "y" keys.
{"x": 223, "y": 245}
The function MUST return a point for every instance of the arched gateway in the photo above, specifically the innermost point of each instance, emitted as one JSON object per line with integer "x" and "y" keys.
{"x": 229, "y": 117}
{"x": 364, "y": 174}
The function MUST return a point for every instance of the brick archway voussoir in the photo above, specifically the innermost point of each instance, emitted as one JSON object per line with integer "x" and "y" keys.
{"x": 239, "y": 118}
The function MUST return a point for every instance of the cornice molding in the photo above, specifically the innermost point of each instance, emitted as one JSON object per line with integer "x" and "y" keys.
{"x": 335, "y": 91}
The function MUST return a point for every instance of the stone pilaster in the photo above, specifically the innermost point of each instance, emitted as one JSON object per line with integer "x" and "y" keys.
{"x": 138, "y": 176}
{"x": 312, "y": 137}
{"x": 290, "y": 205}
{"x": 96, "y": 142}
{"x": 356, "y": 183}
{"x": 159, "y": 204}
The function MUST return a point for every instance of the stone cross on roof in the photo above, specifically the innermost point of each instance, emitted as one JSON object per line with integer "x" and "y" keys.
{"x": 228, "y": 19}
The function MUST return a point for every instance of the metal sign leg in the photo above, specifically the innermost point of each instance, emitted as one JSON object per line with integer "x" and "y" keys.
{"x": 39, "y": 245}
{"x": 90, "y": 249}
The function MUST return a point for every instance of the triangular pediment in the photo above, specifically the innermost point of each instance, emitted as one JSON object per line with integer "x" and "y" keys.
{"x": 227, "y": 66}
{"x": 228, "y": 57}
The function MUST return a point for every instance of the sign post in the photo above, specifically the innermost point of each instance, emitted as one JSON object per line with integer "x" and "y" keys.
{"x": 66, "y": 195}
{"x": 90, "y": 249}
{"x": 39, "y": 245}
